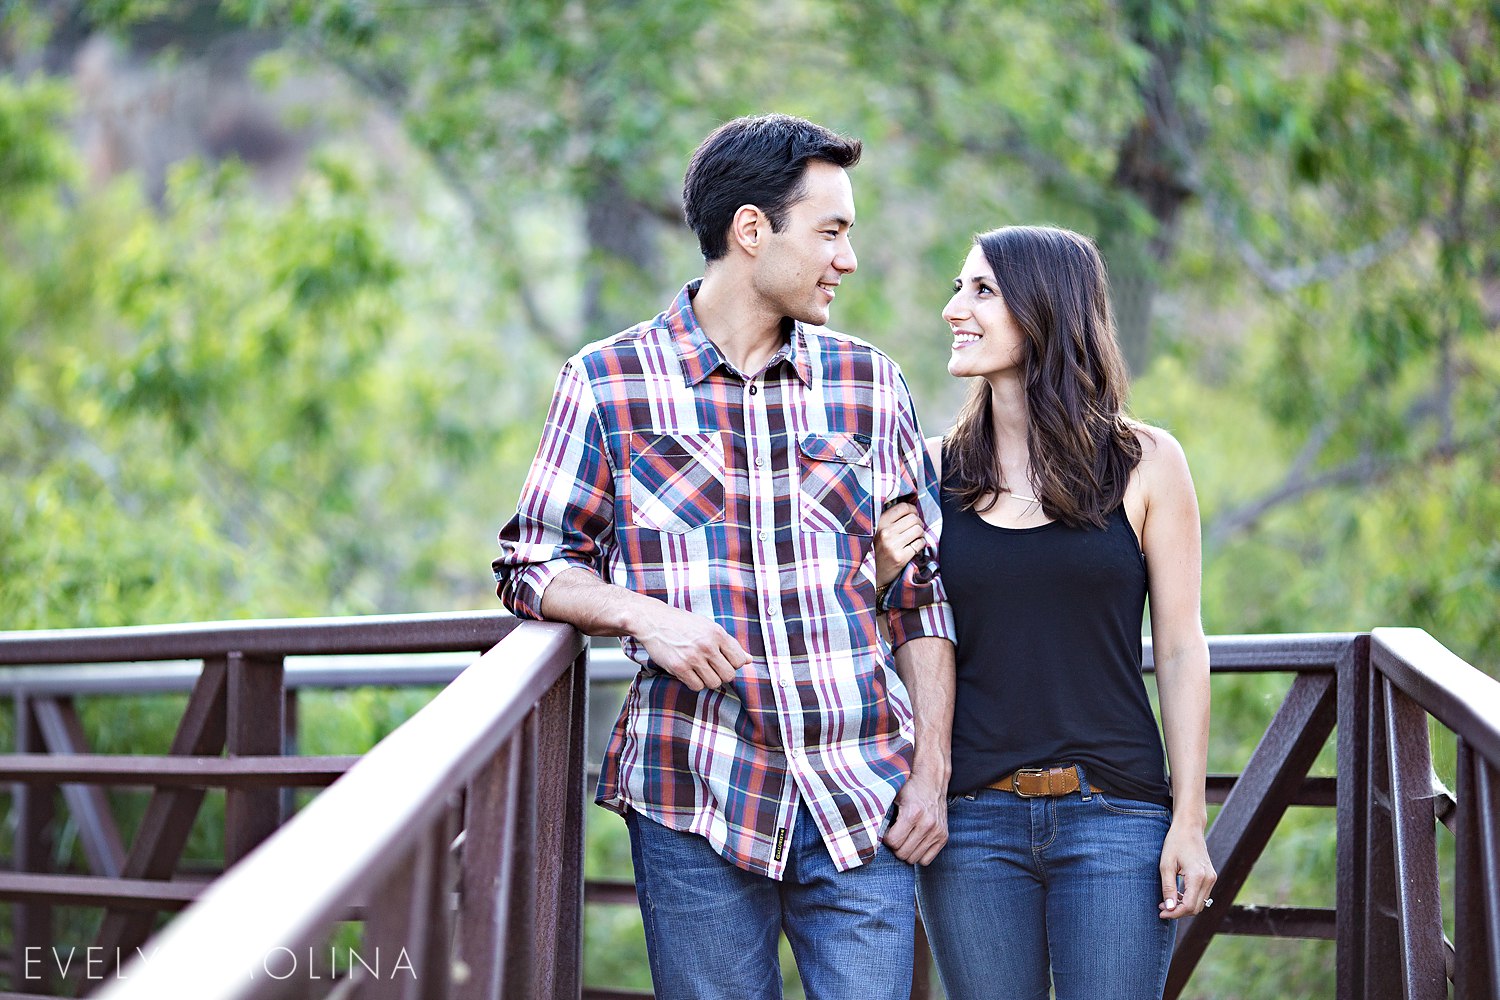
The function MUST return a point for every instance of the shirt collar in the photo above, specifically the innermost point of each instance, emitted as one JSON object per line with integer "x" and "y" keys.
{"x": 701, "y": 356}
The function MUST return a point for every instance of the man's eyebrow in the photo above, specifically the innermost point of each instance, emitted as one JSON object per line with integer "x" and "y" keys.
{"x": 837, "y": 220}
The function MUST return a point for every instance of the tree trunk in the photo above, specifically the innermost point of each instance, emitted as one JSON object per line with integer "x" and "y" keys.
{"x": 624, "y": 252}
{"x": 1152, "y": 166}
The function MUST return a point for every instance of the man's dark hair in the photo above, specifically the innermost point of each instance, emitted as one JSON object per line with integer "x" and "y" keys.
{"x": 758, "y": 161}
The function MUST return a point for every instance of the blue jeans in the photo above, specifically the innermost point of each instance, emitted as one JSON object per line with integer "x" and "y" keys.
{"x": 712, "y": 930}
{"x": 1068, "y": 885}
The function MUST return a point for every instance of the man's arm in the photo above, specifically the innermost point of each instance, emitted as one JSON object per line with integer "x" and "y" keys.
{"x": 926, "y": 666}
{"x": 553, "y": 551}
{"x": 921, "y": 629}
{"x": 693, "y": 649}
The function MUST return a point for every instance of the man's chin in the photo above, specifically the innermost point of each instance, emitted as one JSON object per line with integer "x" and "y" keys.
{"x": 814, "y": 316}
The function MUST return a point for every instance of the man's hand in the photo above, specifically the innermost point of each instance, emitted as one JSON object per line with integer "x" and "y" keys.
{"x": 921, "y": 827}
{"x": 691, "y": 648}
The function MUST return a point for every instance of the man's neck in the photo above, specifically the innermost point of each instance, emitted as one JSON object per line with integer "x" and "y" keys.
{"x": 739, "y": 323}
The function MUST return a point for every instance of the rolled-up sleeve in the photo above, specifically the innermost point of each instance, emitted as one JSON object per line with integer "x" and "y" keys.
{"x": 565, "y": 517}
{"x": 917, "y": 605}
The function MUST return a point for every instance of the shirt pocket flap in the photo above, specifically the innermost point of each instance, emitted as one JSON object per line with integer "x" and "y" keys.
{"x": 852, "y": 449}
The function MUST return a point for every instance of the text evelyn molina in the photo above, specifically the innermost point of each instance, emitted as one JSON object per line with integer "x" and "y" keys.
{"x": 278, "y": 963}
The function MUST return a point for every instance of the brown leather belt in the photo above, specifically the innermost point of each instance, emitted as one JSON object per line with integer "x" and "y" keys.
{"x": 1031, "y": 782}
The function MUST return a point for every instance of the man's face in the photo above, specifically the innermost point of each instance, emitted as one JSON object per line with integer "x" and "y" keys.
{"x": 799, "y": 268}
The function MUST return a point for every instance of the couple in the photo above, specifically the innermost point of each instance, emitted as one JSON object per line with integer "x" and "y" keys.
{"x": 708, "y": 488}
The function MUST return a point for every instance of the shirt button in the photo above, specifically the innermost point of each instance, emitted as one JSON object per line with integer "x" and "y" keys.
{"x": 772, "y": 611}
{"x": 753, "y": 390}
{"x": 760, "y": 463}
{"x": 762, "y": 536}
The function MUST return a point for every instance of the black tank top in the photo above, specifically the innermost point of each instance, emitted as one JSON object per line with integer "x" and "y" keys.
{"x": 1049, "y": 652}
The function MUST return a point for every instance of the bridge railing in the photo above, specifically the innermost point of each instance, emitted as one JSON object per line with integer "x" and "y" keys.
{"x": 475, "y": 881}
{"x": 526, "y": 752}
{"x": 1391, "y": 809}
{"x": 455, "y": 845}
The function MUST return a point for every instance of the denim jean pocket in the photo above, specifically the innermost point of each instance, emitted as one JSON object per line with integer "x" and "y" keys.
{"x": 1133, "y": 807}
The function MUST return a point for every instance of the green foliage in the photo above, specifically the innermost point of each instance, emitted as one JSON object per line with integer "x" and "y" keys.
{"x": 321, "y": 400}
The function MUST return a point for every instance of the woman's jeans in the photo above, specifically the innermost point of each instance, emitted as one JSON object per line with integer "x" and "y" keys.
{"x": 1068, "y": 884}
{"x": 713, "y": 930}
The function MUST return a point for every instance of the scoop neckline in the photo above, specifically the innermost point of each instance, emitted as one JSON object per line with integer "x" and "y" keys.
{"x": 1015, "y": 531}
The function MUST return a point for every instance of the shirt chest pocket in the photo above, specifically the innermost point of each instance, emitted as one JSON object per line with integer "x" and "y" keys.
{"x": 676, "y": 481}
{"x": 837, "y": 483}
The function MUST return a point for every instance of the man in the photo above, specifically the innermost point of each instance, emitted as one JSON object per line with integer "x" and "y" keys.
{"x": 707, "y": 488}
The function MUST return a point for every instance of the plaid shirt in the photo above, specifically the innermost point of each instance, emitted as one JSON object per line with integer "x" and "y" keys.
{"x": 751, "y": 500}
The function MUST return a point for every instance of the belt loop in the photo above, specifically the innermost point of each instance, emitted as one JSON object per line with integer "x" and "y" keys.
{"x": 1083, "y": 784}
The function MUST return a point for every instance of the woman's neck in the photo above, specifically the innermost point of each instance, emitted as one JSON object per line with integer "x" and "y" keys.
{"x": 1009, "y": 418}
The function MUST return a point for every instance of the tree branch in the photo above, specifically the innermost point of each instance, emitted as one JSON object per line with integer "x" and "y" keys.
{"x": 1287, "y": 279}
{"x": 1365, "y": 470}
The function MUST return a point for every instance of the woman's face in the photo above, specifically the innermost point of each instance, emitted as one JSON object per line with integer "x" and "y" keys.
{"x": 986, "y": 340}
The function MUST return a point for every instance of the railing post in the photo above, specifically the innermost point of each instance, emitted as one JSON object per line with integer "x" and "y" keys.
{"x": 484, "y": 872}
{"x": 1352, "y": 817}
{"x": 1475, "y": 874}
{"x": 561, "y": 735}
{"x": 1381, "y": 947}
{"x": 35, "y": 810}
{"x": 519, "y": 977}
{"x": 256, "y": 726}
{"x": 1413, "y": 829}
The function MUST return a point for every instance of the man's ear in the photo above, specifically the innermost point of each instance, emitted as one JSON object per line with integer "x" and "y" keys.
{"x": 747, "y": 227}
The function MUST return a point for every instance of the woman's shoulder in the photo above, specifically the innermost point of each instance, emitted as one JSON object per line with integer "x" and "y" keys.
{"x": 935, "y": 452}
{"x": 1163, "y": 462}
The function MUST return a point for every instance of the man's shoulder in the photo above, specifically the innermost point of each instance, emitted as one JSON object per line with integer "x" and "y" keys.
{"x": 838, "y": 348}
{"x": 602, "y": 355}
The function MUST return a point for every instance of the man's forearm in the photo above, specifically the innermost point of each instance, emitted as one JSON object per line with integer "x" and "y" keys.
{"x": 926, "y": 667}
{"x": 579, "y": 598}
{"x": 694, "y": 649}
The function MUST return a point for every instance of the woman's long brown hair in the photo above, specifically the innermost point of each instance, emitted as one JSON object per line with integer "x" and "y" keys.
{"x": 1082, "y": 445}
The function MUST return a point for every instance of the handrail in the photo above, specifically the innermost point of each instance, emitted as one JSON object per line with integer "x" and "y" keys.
{"x": 1292, "y": 652}
{"x": 315, "y": 671}
{"x": 415, "y": 633}
{"x": 1452, "y": 691}
{"x": 295, "y": 884}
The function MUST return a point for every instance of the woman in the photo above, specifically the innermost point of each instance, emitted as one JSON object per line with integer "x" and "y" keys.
{"x": 1069, "y": 852}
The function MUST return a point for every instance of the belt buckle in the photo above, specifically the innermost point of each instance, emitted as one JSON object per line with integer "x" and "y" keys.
{"x": 1038, "y": 772}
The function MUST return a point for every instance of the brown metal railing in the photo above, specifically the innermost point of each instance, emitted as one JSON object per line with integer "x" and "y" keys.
{"x": 1381, "y": 690}
{"x": 242, "y": 700}
{"x": 456, "y": 843}
{"x": 1391, "y": 938}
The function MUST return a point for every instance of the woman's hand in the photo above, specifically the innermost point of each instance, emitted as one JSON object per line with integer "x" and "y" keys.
{"x": 899, "y": 536}
{"x": 1184, "y": 856}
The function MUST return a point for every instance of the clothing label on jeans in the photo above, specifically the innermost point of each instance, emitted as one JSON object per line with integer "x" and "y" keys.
{"x": 780, "y": 841}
